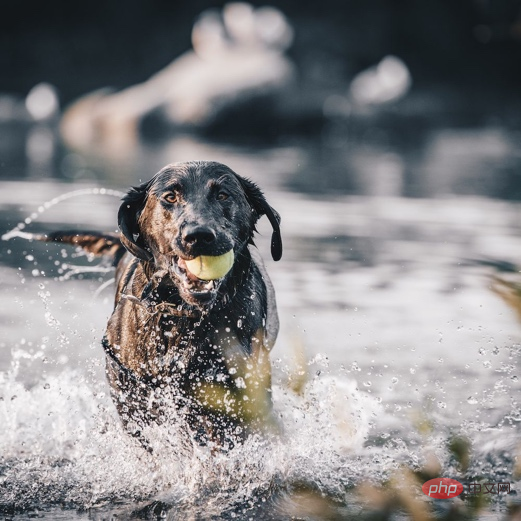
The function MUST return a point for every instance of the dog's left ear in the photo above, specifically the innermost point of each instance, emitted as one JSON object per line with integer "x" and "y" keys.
{"x": 128, "y": 215}
{"x": 258, "y": 202}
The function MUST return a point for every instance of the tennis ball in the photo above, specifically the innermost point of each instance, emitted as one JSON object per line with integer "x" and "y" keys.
{"x": 208, "y": 267}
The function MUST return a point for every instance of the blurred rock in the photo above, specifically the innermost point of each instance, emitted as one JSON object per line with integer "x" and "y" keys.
{"x": 388, "y": 81}
{"x": 237, "y": 61}
{"x": 42, "y": 102}
{"x": 28, "y": 132}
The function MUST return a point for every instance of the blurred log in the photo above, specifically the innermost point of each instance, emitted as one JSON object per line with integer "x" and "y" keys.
{"x": 237, "y": 61}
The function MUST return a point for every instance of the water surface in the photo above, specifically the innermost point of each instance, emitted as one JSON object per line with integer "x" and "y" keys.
{"x": 388, "y": 323}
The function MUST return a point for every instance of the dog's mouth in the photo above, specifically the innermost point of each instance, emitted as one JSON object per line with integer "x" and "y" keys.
{"x": 192, "y": 288}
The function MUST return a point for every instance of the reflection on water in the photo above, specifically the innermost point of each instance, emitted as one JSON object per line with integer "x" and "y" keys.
{"x": 483, "y": 162}
{"x": 431, "y": 163}
{"x": 379, "y": 288}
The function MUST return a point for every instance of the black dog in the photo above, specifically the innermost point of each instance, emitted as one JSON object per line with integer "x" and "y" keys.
{"x": 204, "y": 343}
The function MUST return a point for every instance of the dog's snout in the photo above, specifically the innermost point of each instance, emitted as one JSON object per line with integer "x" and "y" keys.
{"x": 198, "y": 235}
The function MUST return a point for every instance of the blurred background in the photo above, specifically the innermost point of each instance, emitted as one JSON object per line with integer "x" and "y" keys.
{"x": 462, "y": 56}
{"x": 386, "y": 133}
{"x": 431, "y": 82}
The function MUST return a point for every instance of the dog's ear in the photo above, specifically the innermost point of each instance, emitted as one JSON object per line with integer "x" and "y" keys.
{"x": 128, "y": 215}
{"x": 259, "y": 204}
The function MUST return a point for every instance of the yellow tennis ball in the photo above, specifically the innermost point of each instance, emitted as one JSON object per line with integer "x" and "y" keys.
{"x": 208, "y": 267}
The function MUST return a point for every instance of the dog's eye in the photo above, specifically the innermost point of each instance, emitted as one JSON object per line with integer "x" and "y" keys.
{"x": 170, "y": 197}
{"x": 222, "y": 196}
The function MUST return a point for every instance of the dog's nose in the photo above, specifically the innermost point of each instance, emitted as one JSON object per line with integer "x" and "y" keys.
{"x": 197, "y": 234}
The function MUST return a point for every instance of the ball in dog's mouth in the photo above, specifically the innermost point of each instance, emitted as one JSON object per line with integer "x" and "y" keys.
{"x": 203, "y": 275}
{"x": 210, "y": 267}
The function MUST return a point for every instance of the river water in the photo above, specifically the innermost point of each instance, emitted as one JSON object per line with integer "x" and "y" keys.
{"x": 392, "y": 340}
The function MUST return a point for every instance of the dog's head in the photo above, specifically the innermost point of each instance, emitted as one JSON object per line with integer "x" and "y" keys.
{"x": 194, "y": 209}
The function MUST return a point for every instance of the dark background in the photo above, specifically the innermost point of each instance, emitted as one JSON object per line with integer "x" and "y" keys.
{"x": 470, "y": 49}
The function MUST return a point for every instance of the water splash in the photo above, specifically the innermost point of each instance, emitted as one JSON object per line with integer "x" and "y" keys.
{"x": 66, "y": 270}
{"x": 62, "y": 444}
{"x": 17, "y": 230}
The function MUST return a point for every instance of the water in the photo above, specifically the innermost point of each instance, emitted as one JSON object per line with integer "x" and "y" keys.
{"x": 392, "y": 341}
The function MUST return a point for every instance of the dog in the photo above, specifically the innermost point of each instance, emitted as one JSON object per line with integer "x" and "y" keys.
{"x": 203, "y": 343}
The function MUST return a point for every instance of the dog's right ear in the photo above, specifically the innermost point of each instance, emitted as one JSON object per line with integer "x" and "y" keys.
{"x": 128, "y": 215}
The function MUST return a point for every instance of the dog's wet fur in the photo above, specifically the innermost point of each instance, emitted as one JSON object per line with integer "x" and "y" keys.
{"x": 203, "y": 344}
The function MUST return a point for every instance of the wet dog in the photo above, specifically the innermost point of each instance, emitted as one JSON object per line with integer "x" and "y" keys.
{"x": 202, "y": 339}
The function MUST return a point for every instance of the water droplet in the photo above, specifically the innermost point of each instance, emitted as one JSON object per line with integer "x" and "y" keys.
{"x": 394, "y": 380}
{"x": 487, "y": 364}
{"x": 412, "y": 370}
{"x": 482, "y": 351}
{"x": 472, "y": 400}
{"x": 368, "y": 384}
{"x": 442, "y": 405}
{"x": 240, "y": 383}
{"x": 514, "y": 378}
{"x": 47, "y": 386}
